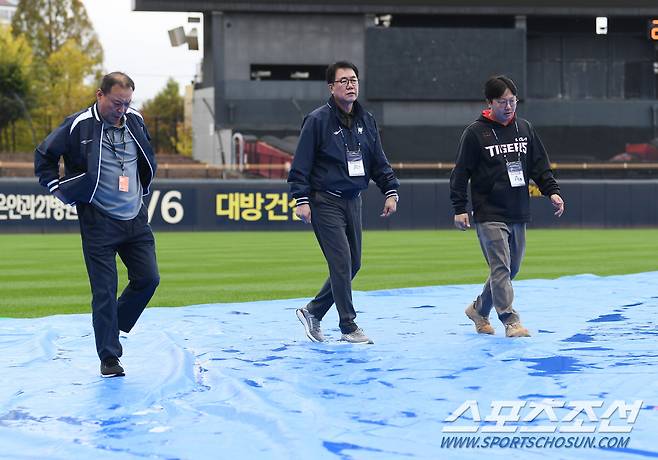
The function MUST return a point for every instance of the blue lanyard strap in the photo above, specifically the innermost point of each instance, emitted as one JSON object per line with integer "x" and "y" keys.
{"x": 347, "y": 149}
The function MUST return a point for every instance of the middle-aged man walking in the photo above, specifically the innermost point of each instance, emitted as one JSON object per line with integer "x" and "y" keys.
{"x": 339, "y": 151}
{"x": 109, "y": 166}
{"x": 499, "y": 153}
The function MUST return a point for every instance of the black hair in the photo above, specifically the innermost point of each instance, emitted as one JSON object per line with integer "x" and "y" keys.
{"x": 497, "y": 85}
{"x": 116, "y": 78}
{"x": 331, "y": 70}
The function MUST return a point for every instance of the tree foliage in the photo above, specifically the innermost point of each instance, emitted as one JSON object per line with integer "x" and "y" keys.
{"x": 50, "y": 24}
{"x": 15, "y": 70}
{"x": 66, "y": 63}
{"x": 66, "y": 69}
{"x": 162, "y": 114}
{"x": 184, "y": 139}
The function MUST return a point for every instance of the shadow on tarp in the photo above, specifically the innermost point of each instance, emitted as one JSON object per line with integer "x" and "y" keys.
{"x": 218, "y": 381}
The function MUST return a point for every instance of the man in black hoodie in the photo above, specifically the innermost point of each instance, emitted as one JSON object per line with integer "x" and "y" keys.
{"x": 500, "y": 153}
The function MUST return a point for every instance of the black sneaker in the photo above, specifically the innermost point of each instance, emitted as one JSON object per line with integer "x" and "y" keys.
{"x": 111, "y": 367}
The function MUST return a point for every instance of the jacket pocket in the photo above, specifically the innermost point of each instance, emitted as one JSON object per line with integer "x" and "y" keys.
{"x": 76, "y": 187}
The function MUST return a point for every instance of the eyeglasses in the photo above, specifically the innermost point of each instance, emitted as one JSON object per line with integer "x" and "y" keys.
{"x": 503, "y": 102}
{"x": 345, "y": 81}
{"x": 118, "y": 103}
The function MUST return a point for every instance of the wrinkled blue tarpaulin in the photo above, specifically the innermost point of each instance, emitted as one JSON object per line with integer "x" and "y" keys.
{"x": 241, "y": 381}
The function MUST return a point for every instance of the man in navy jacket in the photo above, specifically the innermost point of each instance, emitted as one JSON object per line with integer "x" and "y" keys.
{"x": 108, "y": 166}
{"x": 339, "y": 151}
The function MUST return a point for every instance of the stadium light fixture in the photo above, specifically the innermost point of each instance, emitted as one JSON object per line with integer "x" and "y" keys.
{"x": 178, "y": 37}
{"x": 193, "y": 40}
{"x": 601, "y": 25}
{"x": 383, "y": 20}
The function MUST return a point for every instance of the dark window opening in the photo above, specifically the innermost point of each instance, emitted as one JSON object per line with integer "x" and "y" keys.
{"x": 448, "y": 21}
{"x": 568, "y": 24}
{"x": 567, "y": 59}
{"x": 287, "y": 72}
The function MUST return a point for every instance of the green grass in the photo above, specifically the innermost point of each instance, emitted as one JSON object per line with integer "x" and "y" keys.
{"x": 44, "y": 274}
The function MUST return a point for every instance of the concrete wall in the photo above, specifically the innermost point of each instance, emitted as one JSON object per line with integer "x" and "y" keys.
{"x": 242, "y": 39}
{"x": 577, "y": 86}
{"x": 289, "y": 39}
{"x": 210, "y": 144}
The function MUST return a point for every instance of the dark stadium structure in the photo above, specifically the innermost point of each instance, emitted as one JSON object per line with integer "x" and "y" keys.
{"x": 589, "y": 87}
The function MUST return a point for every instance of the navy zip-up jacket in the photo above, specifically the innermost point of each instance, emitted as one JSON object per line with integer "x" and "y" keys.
{"x": 79, "y": 141}
{"x": 485, "y": 148}
{"x": 320, "y": 162}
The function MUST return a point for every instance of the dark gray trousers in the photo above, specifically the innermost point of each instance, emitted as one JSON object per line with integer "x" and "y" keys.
{"x": 337, "y": 226}
{"x": 503, "y": 246}
{"x": 102, "y": 239}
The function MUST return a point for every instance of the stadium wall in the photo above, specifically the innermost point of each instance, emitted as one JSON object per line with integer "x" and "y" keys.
{"x": 215, "y": 205}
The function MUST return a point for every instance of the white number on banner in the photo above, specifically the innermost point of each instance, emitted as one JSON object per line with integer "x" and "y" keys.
{"x": 171, "y": 209}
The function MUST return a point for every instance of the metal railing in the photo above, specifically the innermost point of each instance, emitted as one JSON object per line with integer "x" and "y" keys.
{"x": 207, "y": 170}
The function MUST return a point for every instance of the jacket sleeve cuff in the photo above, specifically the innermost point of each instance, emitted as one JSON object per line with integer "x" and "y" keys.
{"x": 554, "y": 190}
{"x": 460, "y": 211}
{"x": 53, "y": 185}
{"x": 392, "y": 194}
{"x": 301, "y": 200}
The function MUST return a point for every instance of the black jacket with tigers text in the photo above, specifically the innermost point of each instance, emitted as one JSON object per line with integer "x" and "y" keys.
{"x": 484, "y": 150}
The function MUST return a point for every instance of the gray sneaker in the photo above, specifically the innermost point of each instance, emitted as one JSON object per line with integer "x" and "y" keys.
{"x": 311, "y": 325}
{"x": 356, "y": 336}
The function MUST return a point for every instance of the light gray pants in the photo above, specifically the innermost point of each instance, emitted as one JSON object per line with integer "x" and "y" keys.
{"x": 503, "y": 246}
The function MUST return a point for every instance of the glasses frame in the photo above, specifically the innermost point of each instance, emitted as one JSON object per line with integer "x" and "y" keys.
{"x": 344, "y": 81}
{"x": 505, "y": 102}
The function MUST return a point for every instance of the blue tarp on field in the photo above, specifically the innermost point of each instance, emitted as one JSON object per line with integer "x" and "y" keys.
{"x": 241, "y": 380}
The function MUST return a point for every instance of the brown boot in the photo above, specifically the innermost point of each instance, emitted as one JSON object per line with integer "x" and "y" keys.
{"x": 516, "y": 330}
{"x": 482, "y": 325}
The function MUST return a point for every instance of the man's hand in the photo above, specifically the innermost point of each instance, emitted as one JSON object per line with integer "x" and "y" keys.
{"x": 303, "y": 211}
{"x": 558, "y": 204}
{"x": 462, "y": 222}
{"x": 390, "y": 206}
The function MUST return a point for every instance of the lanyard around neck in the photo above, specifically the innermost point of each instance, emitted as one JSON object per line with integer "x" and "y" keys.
{"x": 112, "y": 140}
{"x": 347, "y": 149}
{"x": 517, "y": 133}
